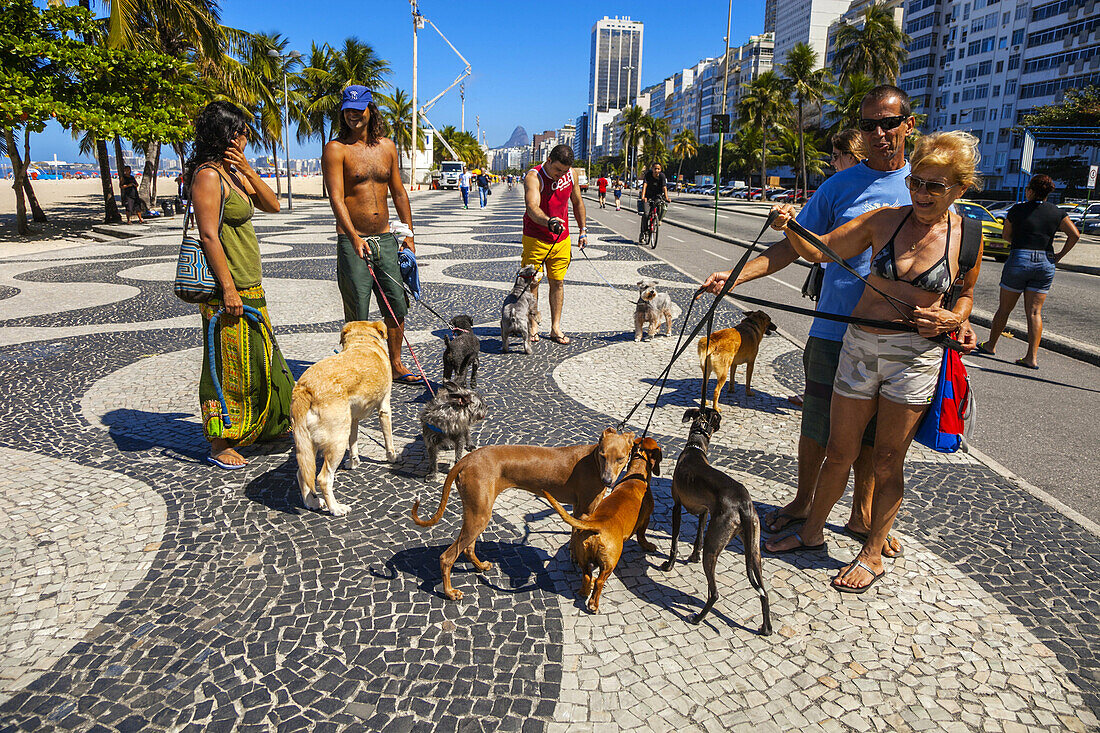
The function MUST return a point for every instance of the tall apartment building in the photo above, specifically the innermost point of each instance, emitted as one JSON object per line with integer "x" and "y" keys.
{"x": 615, "y": 70}
{"x": 981, "y": 66}
{"x": 688, "y": 98}
{"x": 769, "y": 16}
{"x": 805, "y": 21}
{"x": 580, "y": 140}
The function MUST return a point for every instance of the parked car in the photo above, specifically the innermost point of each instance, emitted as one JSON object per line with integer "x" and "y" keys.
{"x": 785, "y": 196}
{"x": 993, "y": 241}
{"x": 1000, "y": 209}
{"x": 1082, "y": 212}
{"x": 1089, "y": 221}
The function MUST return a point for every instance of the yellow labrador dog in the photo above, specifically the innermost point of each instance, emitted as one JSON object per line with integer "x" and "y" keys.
{"x": 328, "y": 402}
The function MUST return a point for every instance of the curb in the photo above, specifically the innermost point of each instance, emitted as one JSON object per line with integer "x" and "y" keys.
{"x": 987, "y": 461}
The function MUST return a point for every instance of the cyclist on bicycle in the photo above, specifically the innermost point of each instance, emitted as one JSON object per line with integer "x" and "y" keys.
{"x": 654, "y": 192}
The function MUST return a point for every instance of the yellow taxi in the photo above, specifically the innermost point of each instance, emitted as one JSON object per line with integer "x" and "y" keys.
{"x": 993, "y": 241}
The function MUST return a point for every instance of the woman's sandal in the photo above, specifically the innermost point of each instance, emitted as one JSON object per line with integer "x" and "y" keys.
{"x": 875, "y": 577}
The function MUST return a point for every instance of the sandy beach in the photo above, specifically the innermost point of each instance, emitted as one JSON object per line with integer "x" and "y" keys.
{"x": 75, "y": 205}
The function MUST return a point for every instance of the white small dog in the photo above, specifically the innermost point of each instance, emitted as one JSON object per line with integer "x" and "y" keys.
{"x": 652, "y": 306}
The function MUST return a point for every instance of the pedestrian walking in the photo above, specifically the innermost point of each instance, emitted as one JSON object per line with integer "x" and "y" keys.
{"x": 617, "y": 188}
{"x": 255, "y": 379}
{"x": 464, "y": 186}
{"x": 601, "y": 188}
{"x": 362, "y": 213}
{"x": 483, "y": 189}
{"x": 548, "y": 190}
{"x": 876, "y": 182}
{"x": 128, "y": 185}
{"x": 915, "y": 255}
{"x": 1030, "y": 228}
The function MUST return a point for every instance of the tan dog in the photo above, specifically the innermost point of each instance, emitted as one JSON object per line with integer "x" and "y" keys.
{"x": 328, "y": 402}
{"x": 732, "y": 346}
{"x": 598, "y": 541}
{"x": 575, "y": 474}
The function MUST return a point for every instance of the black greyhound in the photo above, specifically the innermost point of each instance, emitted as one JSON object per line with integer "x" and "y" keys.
{"x": 704, "y": 490}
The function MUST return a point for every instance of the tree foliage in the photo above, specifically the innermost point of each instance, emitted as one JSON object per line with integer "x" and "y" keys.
{"x": 766, "y": 107}
{"x": 1079, "y": 108}
{"x": 877, "y": 49}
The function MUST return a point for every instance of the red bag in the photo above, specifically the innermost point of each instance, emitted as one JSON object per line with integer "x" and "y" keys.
{"x": 949, "y": 420}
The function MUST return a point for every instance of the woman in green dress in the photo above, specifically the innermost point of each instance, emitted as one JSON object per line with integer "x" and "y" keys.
{"x": 255, "y": 379}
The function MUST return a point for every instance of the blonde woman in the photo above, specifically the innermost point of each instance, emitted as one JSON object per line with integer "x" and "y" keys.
{"x": 915, "y": 258}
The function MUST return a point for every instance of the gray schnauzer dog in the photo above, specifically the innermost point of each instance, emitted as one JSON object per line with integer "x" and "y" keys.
{"x": 520, "y": 312}
{"x": 462, "y": 352}
{"x": 652, "y": 307}
{"x": 446, "y": 421}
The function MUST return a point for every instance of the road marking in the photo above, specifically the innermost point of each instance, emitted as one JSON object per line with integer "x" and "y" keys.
{"x": 721, "y": 257}
{"x": 781, "y": 282}
{"x": 675, "y": 239}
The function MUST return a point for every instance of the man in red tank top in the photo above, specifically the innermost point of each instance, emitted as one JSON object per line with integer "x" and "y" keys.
{"x": 547, "y": 190}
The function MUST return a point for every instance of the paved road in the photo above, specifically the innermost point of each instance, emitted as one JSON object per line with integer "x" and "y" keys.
{"x": 1040, "y": 425}
{"x": 1069, "y": 311}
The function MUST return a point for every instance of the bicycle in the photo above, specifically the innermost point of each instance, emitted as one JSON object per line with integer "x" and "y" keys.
{"x": 653, "y": 224}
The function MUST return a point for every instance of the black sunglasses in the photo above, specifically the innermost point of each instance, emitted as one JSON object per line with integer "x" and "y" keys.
{"x": 886, "y": 123}
{"x": 934, "y": 188}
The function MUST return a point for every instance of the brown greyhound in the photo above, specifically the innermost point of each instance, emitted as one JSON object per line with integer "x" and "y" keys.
{"x": 575, "y": 474}
{"x": 598, "y": 539}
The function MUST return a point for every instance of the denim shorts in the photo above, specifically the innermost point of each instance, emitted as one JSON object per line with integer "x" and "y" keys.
{"x": 1028, "y": 269}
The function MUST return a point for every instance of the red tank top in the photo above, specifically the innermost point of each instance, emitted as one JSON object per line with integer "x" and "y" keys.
{"x": 554, "y": 202}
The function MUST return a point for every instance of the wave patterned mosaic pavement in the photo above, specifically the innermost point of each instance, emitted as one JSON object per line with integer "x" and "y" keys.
{"x": 144, "y": 590}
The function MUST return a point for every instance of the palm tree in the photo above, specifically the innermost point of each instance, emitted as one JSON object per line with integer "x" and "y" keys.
{"x": 324, "y": 79}
{"x": 654, "y": 134}
{"x": 846, "y": 105}
{"x": 189, "y": 30}
{"x": 809, "y": 86}
{"x": 398, "y": 110}
{"x": 792, "y": 148}
{"x": 630, "y": 129}
{"x": 684, "y": 145}
{"x": 764, "y": 105}
{"x": 266, "y": 72}
{"x": 877, "y": 49}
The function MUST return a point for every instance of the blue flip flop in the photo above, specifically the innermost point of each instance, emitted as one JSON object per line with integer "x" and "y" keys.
{"x": 409, "y": 378}
{"x": 223, "y": 465}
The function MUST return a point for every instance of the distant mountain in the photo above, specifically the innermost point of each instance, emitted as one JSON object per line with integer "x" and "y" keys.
{"x": 519, "y": 139}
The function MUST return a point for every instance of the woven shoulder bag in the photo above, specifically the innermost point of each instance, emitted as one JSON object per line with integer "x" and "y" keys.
{"x": 195, "y": 281}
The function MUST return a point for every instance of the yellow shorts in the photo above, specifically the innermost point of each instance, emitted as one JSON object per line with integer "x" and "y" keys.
{"x": 557, "y": 255}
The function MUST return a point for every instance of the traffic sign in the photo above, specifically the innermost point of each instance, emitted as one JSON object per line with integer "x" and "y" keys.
{"x": 1092, "y": 176}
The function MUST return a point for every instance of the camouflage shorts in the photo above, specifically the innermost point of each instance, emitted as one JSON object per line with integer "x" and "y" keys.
{"x": 902, "y": 367}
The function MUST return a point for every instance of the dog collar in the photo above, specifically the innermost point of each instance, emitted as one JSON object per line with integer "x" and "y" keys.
{"x": 433, "y": 428}
{"x": 459, "y": 330}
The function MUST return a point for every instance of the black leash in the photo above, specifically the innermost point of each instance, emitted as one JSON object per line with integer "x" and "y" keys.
{"x": 942, "y": 339}
{"x": 682, "y": 343}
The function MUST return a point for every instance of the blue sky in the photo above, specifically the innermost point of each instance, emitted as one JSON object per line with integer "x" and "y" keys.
{"x": 530, "y": 59}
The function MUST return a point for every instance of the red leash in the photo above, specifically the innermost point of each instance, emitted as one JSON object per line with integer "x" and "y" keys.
{"x": 382, "y": 295}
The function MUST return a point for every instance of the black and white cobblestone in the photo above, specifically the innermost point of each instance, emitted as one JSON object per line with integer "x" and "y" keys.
{"x": 207, "y": 600}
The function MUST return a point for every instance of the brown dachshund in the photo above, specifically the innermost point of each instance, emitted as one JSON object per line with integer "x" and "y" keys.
{"x": 598, "y": 541}
{"x": 575, "y": 474}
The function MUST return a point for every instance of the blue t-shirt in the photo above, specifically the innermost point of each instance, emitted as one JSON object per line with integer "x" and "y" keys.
{"x": 838, "y": 200}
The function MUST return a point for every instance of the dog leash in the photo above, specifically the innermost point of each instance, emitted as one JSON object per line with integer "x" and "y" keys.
{"x": 942, "y": 339}
{"x": 680, "y": 347}
{"x": 595, "y": 269}
{"x": 249, "y": 314}
{"x": 382, "y": 295}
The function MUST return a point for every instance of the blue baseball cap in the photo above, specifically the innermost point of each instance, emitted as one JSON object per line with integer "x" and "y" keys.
{"x": 356, "y": 97}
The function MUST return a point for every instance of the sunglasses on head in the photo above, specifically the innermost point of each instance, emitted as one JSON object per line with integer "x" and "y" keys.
{"x": 886, "y": 123}
{"x": 934, "y": 188}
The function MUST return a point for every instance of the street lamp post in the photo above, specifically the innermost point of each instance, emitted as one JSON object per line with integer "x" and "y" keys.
{"x": 722, "y": 135}
{"x": 286, "y": 122}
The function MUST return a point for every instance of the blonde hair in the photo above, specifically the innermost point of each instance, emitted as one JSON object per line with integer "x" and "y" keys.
{"x": 956, "y": 150}
{"x": 850, "y": 142}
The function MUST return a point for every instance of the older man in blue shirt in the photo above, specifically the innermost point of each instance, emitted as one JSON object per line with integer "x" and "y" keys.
{"x": 876, "y": 182}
